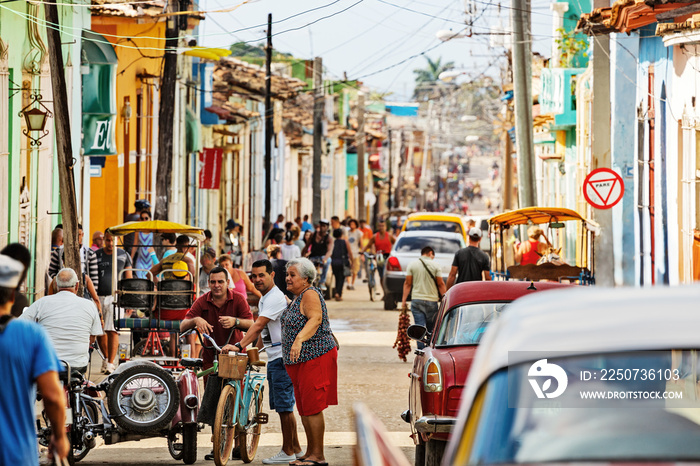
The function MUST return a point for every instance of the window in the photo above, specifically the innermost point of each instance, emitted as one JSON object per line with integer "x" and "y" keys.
{"x": 434, "y": 225}
{"x": 465, "y": 325}
{"x": 409, "y": 244}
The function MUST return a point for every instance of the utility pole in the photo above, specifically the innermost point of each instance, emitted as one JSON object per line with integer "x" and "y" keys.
{"x": 64, "y": 148}
{"x": 166, "y": 117}
{"x": 269, "y": 123}
{"x": 360, "y": 143}
{"x": 318, "y": 130}
{"x": 522, "y": 89}
{"x": 391, "y": 171}
{"x": 402, "y": 151}
{"x": 600, "y": 151}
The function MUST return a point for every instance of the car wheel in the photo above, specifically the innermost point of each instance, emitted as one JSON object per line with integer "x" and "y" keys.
{"x": 434, "y": 450}
{"x": 389, "y": 302}
{"x": 420, "y": 453}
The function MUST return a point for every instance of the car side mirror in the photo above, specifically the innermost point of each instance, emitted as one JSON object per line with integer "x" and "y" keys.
{"x": 416, "y": 332}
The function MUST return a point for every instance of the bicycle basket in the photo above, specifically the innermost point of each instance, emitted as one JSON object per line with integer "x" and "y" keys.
{"x": 232, "y": 366}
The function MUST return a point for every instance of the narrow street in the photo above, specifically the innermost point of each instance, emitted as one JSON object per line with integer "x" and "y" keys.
{"x": 369, "y": 371}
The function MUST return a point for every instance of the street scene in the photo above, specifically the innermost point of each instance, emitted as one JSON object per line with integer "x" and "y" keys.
{"x": 349, "y": 232}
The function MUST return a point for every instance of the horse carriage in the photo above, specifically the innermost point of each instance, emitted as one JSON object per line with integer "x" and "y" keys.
{"x": 570, "y": 245}
{"x": 152, "y": 306}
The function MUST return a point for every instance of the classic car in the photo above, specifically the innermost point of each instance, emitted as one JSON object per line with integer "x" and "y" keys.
{"x": 584, "y": 376}
{"x": 441, "y": 368}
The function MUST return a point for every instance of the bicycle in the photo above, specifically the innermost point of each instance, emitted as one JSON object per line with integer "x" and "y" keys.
{"x": 240, "y": 405}
{"x": 370, "y": 268}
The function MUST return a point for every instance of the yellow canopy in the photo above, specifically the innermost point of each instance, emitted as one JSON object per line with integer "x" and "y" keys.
{"x": 157, "y": 226}
{"x": 539, "y": 215}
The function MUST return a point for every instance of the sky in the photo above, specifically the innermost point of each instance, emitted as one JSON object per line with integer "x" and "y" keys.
{"x": 379, "y": 42}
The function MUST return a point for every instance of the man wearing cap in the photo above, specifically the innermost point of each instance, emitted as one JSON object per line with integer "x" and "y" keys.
{"x": 471, "y": 263}
{"x": 70, "y": 320}
{"x": 28, "y": 362}
{"x": 321, "y": 250}
{"x": 104, "y": 291}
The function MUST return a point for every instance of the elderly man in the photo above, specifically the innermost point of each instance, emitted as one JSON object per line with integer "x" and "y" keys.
{"x": 269, "y": 328}
{"x": 72, "y": 322}
{"x": 28, "y": 361}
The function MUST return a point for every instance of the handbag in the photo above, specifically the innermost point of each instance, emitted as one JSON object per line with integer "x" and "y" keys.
{"x": 434, "y": 279}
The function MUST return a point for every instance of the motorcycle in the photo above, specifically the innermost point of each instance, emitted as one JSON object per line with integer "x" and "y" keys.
{"x": 142, "y": 400}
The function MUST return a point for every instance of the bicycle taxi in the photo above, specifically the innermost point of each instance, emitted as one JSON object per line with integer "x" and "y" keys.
{"x": 153, "y": 301}
{"x": 569, "y": 236}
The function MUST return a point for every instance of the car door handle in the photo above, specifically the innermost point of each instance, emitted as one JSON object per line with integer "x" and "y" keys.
{"x": 415, "y": 376}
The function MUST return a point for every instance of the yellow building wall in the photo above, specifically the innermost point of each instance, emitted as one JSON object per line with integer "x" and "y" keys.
{"x": 139, "y": 52}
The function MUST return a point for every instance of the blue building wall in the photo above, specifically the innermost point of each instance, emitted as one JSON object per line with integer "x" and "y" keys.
{"x": 623, "y": 51}
{"x": 653, "y": 52}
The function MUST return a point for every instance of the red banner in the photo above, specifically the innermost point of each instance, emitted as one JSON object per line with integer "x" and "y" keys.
{"x": 210, "y": 172}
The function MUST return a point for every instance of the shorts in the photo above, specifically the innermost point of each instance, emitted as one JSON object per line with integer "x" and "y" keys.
{"x": 281, "y": 388}
{"x": 315, "y": 383}
{"x": 107, "y": 304}
{"x": 355, "y": 264}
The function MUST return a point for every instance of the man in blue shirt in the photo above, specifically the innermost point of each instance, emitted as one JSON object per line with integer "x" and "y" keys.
{"x": 28, "y": 361}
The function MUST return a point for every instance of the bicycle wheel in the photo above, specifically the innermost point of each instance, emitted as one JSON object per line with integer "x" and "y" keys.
{"x": 224, "y": 425}
{"x": 370, "y": 283}
{"x": 250, "y": 437}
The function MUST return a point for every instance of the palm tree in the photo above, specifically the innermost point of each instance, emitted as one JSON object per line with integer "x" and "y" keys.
{"x": 426, "y": 77}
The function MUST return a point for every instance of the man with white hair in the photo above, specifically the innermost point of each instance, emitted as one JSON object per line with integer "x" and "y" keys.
{"x": 72, "y": 322}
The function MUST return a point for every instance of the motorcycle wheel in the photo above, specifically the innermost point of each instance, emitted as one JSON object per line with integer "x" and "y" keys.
{"x": 89, "y": 413}
{"x": 250, "y": 438}
{"x": 224, "y": 426}
{"x": 176, "y": 443}
{"x": 143, "y": 398}
{"x": 189, "y": 440}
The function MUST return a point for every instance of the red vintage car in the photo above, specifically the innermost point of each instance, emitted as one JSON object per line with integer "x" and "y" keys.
{"x": 440, "y": 369}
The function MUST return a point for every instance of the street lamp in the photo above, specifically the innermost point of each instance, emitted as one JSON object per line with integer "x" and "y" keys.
{"x": 35, "y": 119}
{"x": 445, "y": 34}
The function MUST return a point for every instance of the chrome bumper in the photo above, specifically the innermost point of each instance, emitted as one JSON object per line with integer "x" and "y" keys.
{"x": 435, "y": 424}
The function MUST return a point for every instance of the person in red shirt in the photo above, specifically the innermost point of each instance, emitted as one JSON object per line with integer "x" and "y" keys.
{"x": 381, "y": 241}
{"x": 221, "y": 313}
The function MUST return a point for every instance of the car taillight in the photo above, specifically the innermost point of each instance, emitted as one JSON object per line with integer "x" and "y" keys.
{"x": 432, "y": 376}
{"x": 393, "y": 264}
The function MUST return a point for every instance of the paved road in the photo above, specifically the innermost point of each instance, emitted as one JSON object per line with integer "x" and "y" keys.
{"x": 369, "y": 372}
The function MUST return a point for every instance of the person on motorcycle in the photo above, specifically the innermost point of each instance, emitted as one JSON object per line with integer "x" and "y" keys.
{"x": 321, "y": 250}
{"x": 221, "y": 313}
{"x": 28, "y": 362}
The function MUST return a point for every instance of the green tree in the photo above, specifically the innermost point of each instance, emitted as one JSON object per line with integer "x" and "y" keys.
{"x": 428, "y": 76}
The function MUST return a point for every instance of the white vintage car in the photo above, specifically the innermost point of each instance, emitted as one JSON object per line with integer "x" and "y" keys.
{"x": 590, "y": 375}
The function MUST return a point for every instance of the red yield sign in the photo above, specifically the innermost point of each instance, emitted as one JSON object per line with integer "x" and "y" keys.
{"x": 603, "y": 188}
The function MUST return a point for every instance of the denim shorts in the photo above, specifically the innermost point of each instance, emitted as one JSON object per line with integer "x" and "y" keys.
{"x": 281, "y": 388}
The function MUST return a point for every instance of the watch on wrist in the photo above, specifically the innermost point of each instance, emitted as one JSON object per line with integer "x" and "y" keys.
{"x": 240, "y": 347}
{"x": 238, "y": 322}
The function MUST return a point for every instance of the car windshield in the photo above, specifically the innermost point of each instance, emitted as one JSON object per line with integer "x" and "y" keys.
{"x": 434, "y": 225}
{"x": 617, "y": 407}
{"x": 409, "y": 244}
{"x": 464, "y": 325}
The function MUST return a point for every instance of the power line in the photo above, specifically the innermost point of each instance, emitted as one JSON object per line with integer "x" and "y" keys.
{"x": 419, "y": 12}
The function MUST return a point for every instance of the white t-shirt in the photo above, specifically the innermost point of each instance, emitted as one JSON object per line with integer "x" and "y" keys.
{"x": 272, "y": 305}
{"x": 354, "y": 238}
{"x": 290, "y": 251}
{"x": 70, "y": 321}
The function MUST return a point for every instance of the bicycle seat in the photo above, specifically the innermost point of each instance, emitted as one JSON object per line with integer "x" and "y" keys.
{"x": 191, "y": 362}
{"x": 259, "y": 363}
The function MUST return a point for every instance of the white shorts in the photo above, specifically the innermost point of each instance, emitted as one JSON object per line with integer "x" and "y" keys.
{"x": 107, "y": 303}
